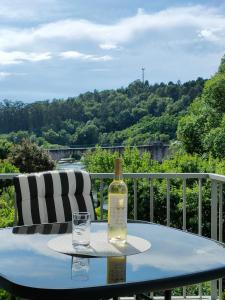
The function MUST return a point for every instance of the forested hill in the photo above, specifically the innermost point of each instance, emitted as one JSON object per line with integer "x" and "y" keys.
{"x": 137, "y": 114}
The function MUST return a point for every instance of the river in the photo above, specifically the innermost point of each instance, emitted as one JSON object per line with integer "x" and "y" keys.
{"x": 65, "y": 165}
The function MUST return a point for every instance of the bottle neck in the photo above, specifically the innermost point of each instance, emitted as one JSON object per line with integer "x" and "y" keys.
{"x": 118, "y": 169}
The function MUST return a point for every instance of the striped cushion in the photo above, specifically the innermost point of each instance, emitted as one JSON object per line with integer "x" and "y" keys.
{"x": 50, "y": 228}
{"x": 52, "y": 196}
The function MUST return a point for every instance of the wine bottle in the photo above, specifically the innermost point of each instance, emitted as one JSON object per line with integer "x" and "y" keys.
{"x": 117, "y": 207}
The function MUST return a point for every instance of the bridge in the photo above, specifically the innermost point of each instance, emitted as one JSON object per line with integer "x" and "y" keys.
{"x": 158, "y": 151}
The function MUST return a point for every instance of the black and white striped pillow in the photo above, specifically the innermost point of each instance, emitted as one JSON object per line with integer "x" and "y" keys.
{"x": 50, "y": 228}
{"x": 49, "y": 197}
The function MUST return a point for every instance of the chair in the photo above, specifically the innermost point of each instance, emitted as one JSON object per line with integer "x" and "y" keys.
{"x": 49, "y": 197}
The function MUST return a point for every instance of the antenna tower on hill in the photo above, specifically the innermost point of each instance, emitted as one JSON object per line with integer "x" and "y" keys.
{"x": 143, "y": 74}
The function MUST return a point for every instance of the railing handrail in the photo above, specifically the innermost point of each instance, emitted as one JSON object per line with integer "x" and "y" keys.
{"x": 151, "y": 175}
{"x": 4, "y": 176}
{"x": 216, "y": 177}
{"x": 138, "y": 175}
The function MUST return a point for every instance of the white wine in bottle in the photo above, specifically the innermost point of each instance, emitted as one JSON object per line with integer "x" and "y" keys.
{"x": 117, "y": 207}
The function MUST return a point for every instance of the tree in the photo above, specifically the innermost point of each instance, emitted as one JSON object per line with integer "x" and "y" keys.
{"x": 28, "y": 158}
{"x": 190, "y": 131}
{"x": 202, "y": 129}
{"x": 61, "y": 121}
{"x": 222, "y": 65}
{"x": 88, "y": 134}
{"x": 214, "y": 142}
{"x": 51, "y": 136}
{"x": 214, "y": 92}
{"x": 5, "y": 148}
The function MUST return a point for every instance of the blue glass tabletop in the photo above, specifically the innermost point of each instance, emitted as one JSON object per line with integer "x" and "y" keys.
{"x": 28, "y": 267}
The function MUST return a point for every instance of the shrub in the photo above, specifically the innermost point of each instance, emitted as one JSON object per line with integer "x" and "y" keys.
{"x": 5, "y": 148}
{"x": 6, "y": 195}
{"x": 28, "y": 157}
{"x": 7, "y": 207}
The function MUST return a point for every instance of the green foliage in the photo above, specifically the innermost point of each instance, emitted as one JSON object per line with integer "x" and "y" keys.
{"x": 148, "y": 129}
{"x": 202, "y": 130}
{"x": 7, "y": 207}
{"x": 51, "y": 136}
{"x": 5, "y": 295}
{"x": 19, "y": 136}
{"x": 5, "y": 148}
{"x": 214, "y": 92}
{"x": 190, "y": 133}
{"x": 28, "y": 158}
{"x": 7, "y": 167}
{"x": 214, "y": 142}
{"x": 101, "y": 117}
{"x": 88, "y": 133}
{"x": 193, "y": 290}
{"x": 222, "y": 65}
{"x": 134, "y": 162}
{"x": 6, "y": 195}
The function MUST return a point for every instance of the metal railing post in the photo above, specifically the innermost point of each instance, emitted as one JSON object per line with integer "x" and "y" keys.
{"x": 168, "y": 202}
{"x": 15, "y": 211}
{"x": 101, "y": 199}
{"x": 151, "y": 201}
{"x": 184, "y": 227}
{"x": 135, "y": 199}
{"x": 200, "y": 222}
{"x": 220, "y": 232}
{"x": 214, "y": 199}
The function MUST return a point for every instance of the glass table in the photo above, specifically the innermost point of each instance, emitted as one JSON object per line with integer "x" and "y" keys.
{"x": 29, "y": 269}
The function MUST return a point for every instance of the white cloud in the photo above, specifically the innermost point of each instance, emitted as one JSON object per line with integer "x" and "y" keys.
{"x": 209, "y": 35}
{"x": 33, "y": 244}
{"x": 108, "y": 46}
{"x": 195, "y": 18}
{"x": 16, "y": 57}
{"x": 182, "y": 263}
{"x": 85, "y": 57}
{"x": 5, "y": 74}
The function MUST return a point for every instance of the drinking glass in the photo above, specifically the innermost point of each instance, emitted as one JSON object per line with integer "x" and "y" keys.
{"x": 81, "y": 229}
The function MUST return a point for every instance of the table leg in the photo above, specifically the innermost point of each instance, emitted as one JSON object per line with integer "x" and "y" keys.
{"x": 168, "y": 294}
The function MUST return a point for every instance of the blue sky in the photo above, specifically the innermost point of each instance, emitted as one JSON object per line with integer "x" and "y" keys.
{"x": 60, "y": 48}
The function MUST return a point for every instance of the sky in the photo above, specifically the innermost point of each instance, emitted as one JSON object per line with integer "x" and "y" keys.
{"x": 61, "y": 48}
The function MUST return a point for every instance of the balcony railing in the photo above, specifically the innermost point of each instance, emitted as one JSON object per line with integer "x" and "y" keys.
{"x": 101, "y": 180}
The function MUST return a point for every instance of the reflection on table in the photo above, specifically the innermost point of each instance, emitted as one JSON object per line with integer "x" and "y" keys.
{"x": 116, "y": 269}
{"x": 80, "y": 268}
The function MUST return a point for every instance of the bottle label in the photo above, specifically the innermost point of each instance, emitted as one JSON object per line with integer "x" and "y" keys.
{"x": 118, "y": 210}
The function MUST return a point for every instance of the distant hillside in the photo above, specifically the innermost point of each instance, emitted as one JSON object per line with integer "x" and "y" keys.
{"x": 136, "y": 114}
